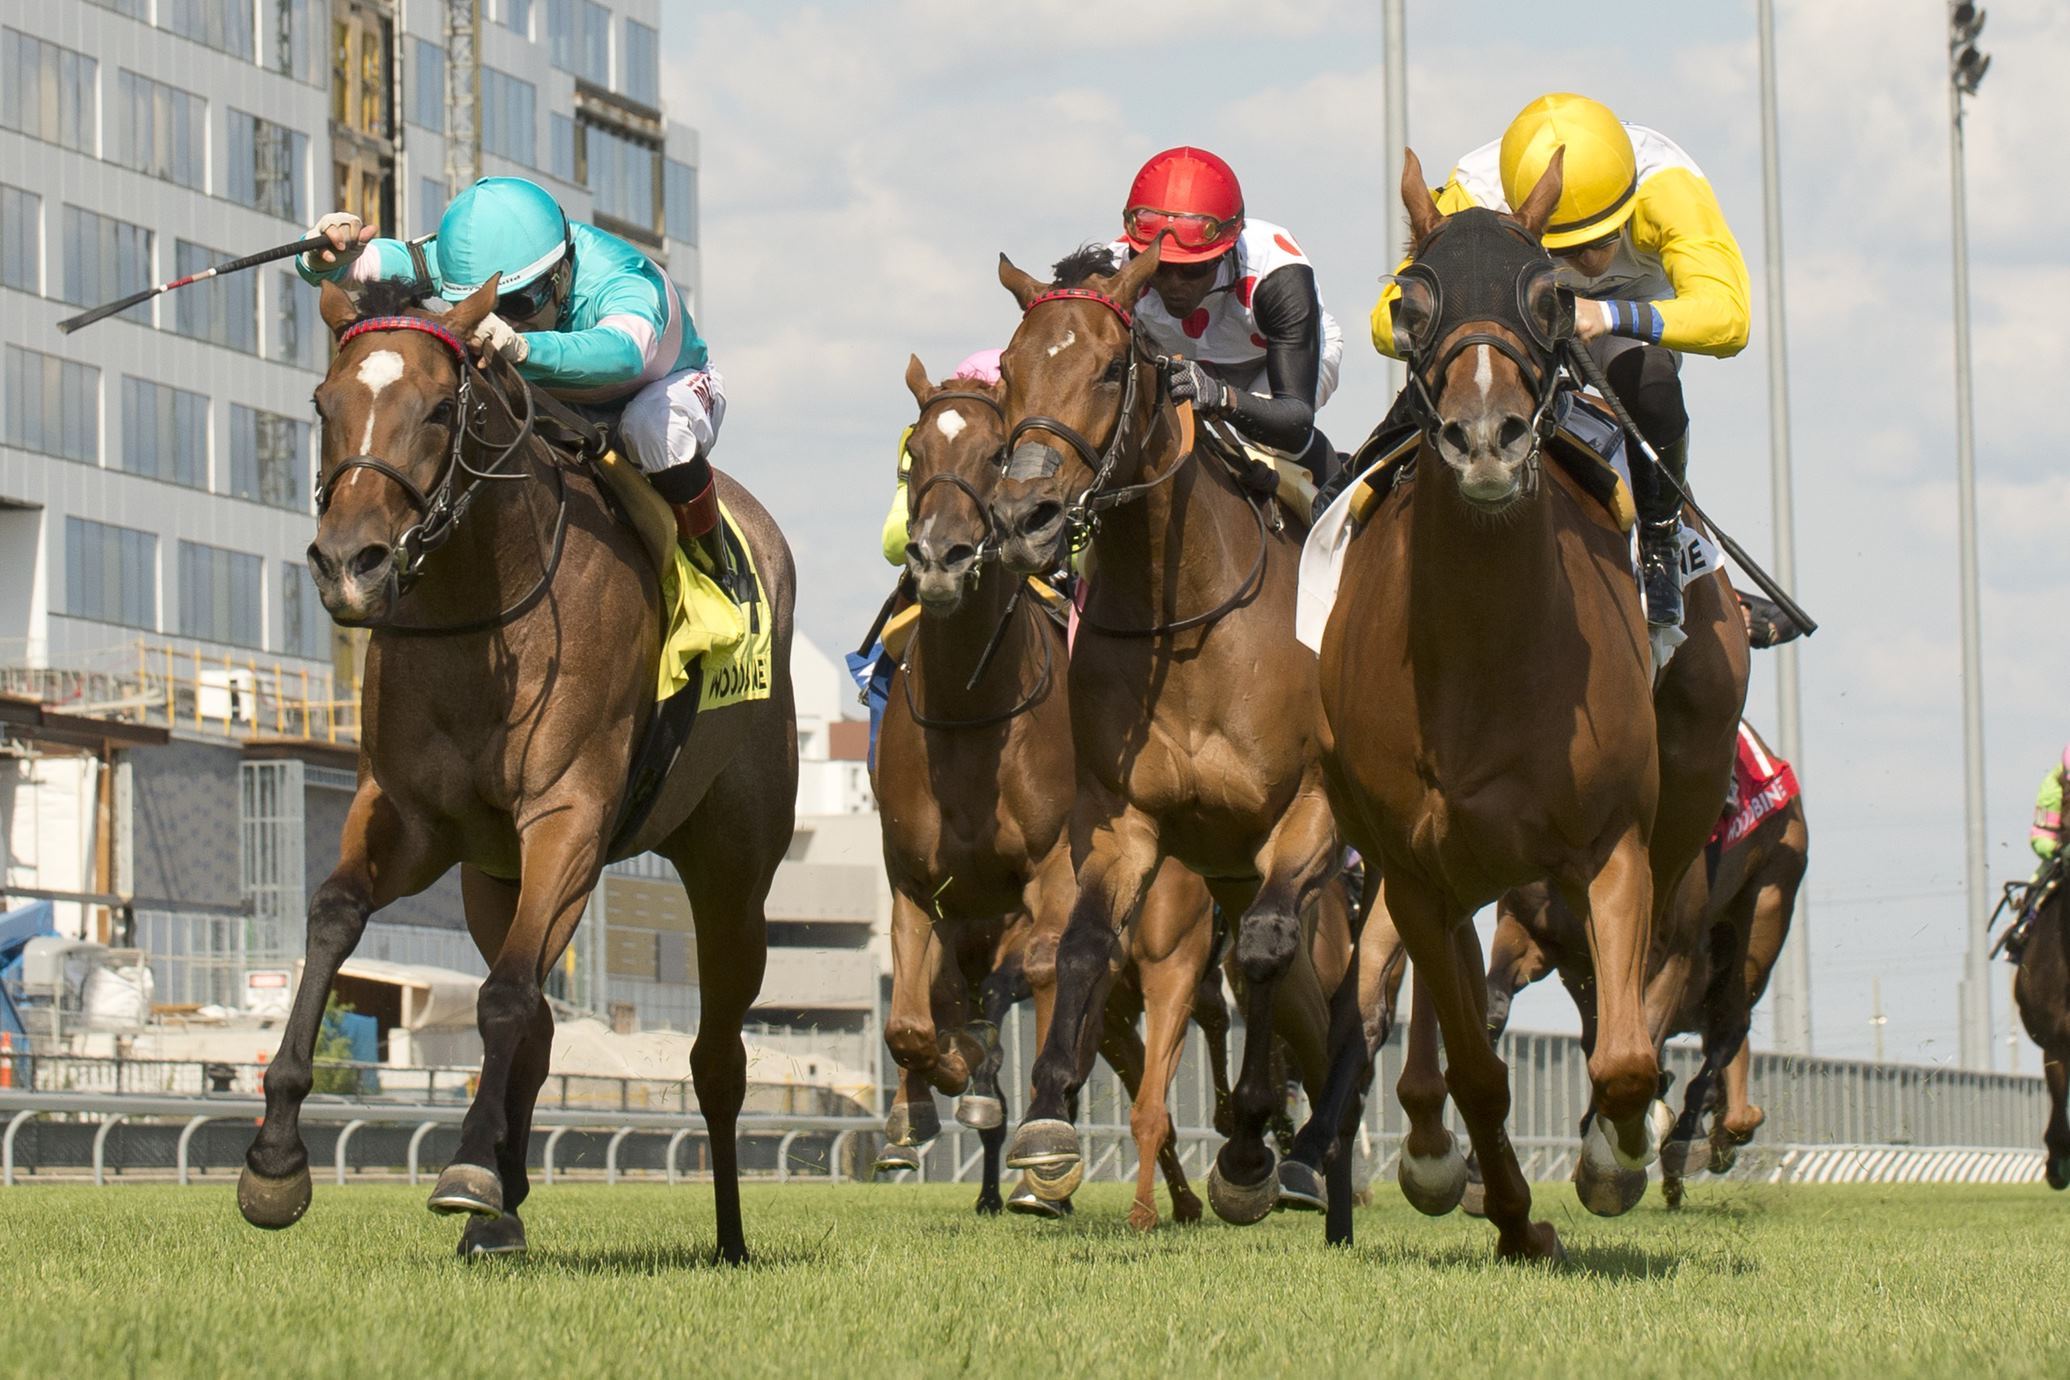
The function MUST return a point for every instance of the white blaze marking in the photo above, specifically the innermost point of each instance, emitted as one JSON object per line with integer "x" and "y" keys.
{"x": 1483, "y": 372}
{"x": 949, "y": 424}
{"x": 1070, "y": 339}
{"x": 377, "y": 371}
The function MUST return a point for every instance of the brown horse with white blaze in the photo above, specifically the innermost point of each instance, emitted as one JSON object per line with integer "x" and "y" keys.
{"x": 510, "y": 678}
{"x": 1489, "y": 708}
{"x": 974, "y": 781}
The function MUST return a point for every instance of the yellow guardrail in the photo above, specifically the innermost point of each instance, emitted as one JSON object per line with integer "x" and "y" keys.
{"x": 189, "y": 689}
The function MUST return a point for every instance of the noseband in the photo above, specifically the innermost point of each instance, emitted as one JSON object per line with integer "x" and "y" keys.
{"x": 957, "y": 481}
{"x": 1494, "y": 265}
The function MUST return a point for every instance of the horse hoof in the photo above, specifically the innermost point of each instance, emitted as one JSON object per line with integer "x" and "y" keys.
{"x": 989, "y": 1204}
{"x": 1671, "y": 1193}
{"x": 1055, "y": 1182}
{"x": 1604, "y": 1148}
{"x": 1537, "y": 1242}
{"x": 893, "y": 1158}
{"x": 1242, "y": 1205}
{"x": 980, "y": 1113}
{"x": 1142, "y": 1216}
{"x": 2058, "y": 1173}
{"x": 273, "y": 1203}
{"x": 1186, "y": 1209}
{"x": 904, "y": 1126}
{"x": 467, "y": 1188}
{"x": 1024, "y": 1202}
{"x": 1607, "y": 1193}
{"x": 1044, "y": 1143}
{"x": 1682, "y": 1159}
{"x": 1301, "y": 1189}
{"x": 1660, "y": 1123}
{"x": 1724, "y": 1154}
{"x": 1433, "y": 1184}
{"x": 503, "y": 1235}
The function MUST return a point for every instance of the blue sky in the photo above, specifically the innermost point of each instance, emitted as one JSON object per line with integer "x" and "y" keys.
{"x": 863, "y": 164}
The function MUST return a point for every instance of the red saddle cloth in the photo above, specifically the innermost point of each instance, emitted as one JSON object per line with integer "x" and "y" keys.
{"x": 1761, "y": 784}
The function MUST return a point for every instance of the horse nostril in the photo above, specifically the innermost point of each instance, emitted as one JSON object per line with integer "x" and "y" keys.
{"x": 1454, "y": 437}
{"x": 320, "y": 563}
{"x": 370, "y": 559}
{"x": 959, "y": 556}
{"x": 1514, "y": 432}
{"x": 1043, "y": 516}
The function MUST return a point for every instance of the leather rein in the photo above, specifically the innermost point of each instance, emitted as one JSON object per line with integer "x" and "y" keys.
{"x": 441, "y": 510}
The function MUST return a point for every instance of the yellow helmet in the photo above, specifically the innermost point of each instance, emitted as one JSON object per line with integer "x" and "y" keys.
{"x": 1599, "y": 174}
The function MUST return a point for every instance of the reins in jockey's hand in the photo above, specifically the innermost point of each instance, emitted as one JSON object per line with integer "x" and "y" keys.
{"x": 1585, "y": 363}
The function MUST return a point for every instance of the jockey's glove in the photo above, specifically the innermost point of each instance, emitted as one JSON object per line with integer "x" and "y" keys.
{"x": 497, "y": 336}
{"x": 1192, "y": 384}
{"x": 345, "y": 232}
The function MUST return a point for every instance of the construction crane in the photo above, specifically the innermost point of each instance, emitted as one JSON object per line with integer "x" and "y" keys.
{"x": 463, "y": 94}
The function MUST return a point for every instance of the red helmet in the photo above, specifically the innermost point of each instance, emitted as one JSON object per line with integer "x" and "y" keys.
{"x": 1190, "y": 198}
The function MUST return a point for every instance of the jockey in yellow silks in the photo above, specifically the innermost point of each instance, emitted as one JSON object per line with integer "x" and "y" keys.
{"x": 1639, "y": 236}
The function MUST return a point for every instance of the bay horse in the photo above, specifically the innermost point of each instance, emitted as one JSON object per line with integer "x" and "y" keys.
{"x": 1192, "y": 706}
{"x": 1707, "y": 969}
{"x": 2041, "y": 989}
{"x": 974, "y": 781}
{"x": 510, "y": 677}
{"x": 1490, "y": 715}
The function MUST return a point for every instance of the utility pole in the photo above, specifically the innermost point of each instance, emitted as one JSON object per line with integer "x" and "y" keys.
{"x": 1396, "y": 143}
{"x": 1966, "y": 68}
{"x": 1793, "y": 973}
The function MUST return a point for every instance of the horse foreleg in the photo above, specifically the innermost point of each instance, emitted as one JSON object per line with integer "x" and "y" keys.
{"x": 1173, "y": 942}
{"x": 1430, "y": 1168}
{"x": 491, "y": 904}
{"x": 561, "y": 855}
{"x": 1211, "y": 1014}
{"x": 2055, "y": 1068}
{"x": 1624, "y": 1067}
{"x": 380, "y": 858}
{"x": 910, "y": 1031}
{"x": 1516, "y": 957}
{"x": 996, "y": 997}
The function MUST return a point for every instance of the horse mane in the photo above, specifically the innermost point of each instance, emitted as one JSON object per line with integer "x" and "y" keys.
{"x": 394, "y": 297}
{"x": 1085, "y": 262}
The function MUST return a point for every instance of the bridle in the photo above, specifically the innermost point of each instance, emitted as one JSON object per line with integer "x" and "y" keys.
{"x": 441, "y": 510}
{"x": 957, "y": 481}
{"x": 1473, "y": 247}
{"x": 1082, "y": 514}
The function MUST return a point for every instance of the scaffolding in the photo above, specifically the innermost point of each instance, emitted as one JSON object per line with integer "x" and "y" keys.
{"x": 186, "y": 689}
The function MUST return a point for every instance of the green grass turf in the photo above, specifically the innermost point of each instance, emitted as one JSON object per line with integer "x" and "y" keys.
{"x": 904, "y": 1280}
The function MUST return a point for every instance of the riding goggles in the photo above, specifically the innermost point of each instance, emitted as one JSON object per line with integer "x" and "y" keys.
{"x": 1188, "y": 229}
{"x": 522, "y": 304}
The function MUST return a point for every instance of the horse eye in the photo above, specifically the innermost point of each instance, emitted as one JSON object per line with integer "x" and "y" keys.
{"x": 442, "y": 415}
{"x": 1114, "y": 370}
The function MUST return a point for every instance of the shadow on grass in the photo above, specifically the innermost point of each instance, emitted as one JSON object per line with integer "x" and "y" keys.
{"x": 675, "y": 1259}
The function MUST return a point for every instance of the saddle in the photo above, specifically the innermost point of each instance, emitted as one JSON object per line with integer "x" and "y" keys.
{"x": 1259, "y": 469}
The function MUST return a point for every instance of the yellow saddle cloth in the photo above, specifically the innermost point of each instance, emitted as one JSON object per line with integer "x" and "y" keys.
{"x": 703, "y": 628}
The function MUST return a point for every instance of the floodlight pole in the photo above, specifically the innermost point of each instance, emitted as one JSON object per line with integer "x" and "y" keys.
{"x": 1396, "y": 143}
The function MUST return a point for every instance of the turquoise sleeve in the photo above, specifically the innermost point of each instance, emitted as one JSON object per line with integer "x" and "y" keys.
{"x": 604, "y": 354}
{"x": 380, "y": 259}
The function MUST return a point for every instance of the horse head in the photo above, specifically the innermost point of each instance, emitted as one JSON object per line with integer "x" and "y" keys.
{"x": 954, "y": 450}
{"x": 1075, "y": 387}
{"x": 1479, "y": 322}
{"x": 391, "y": 416}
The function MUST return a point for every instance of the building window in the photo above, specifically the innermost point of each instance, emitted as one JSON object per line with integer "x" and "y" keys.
{"x": 223, "y": 310}
{"x": 578, "y": 36}
{"x": 225, "y": 25}
{"x": 679, "y": 200}
{"x": 266, "y": 162}
{"x": 305, "y": 629}
{"x": 135, "y": 9}
{"x": 105, "y": 258}
{"x": 161, "y": 130}
{"x": 219, "y": 595}
{"x": 293, "y": 38}
{"x": 111, "y": 573}
{"x": 359, "y": 72}
{"x": 427, "y": 86}
{"x": 642, "y": 63}
{"x": 560, "y": 147}
{"x": 269, "y": 458}
{"x": 164, "y": 433}
{"x": 431, "y": 204}
{"x": 515, "y": 15}
{"x": 296, "y": 324}
{"x": 53, "y": 405}
{"x": 621, "y": 177}
{"x": 21, "y": 239}
{"x": 46, "y": 91}
{"x": 509, "y": 129}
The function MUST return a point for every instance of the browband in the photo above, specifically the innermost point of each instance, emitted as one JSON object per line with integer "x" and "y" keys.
{"x": 406, "y": 323}
{"x": 1082, "y": 295}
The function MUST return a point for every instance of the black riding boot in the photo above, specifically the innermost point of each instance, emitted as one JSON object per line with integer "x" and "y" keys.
{"x": 1660, "y": 528}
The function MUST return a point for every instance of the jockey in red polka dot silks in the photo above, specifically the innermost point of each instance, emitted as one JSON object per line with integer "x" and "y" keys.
{"x": 1236, "y": 297}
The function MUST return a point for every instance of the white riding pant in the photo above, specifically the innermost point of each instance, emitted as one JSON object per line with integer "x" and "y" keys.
{"x": 673, "y": 420}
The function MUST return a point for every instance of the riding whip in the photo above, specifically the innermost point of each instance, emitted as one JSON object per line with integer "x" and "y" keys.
{"x": 264, "y": 256}
{"x": 1578, "y": 354}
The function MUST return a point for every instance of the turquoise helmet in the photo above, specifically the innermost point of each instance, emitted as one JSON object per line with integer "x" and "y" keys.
{"x": 501, "y": 225}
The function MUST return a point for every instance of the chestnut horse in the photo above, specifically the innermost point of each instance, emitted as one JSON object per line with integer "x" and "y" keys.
{"x": 1192, "y": 704}
{"x": 974, "y": 780}
{"x": 509, "y": 680}
{"x": 1489, "y": 708}
{"x": 2041, "y": 989}
{"x": 1709, "y": 965}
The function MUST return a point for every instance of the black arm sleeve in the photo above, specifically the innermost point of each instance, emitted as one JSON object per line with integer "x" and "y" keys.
{"x": 1290, "y": 318}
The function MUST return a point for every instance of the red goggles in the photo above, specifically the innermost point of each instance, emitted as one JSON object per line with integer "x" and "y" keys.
{"x": 1189, "y": 230}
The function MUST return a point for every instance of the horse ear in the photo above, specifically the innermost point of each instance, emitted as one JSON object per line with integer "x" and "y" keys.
{"x": 335, "y": 305}
{"x": 1129, "y": 284}
{"x": 1024, "y": 288}
{"x": 917, "y": 381}
{"x": 1419, "y": 199}
{"x": 1536, "y": 212}
{"x": 469, "y": 312}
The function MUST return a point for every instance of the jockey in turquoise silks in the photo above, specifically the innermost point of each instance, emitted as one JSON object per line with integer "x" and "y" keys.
{"x": 579, "y": 312}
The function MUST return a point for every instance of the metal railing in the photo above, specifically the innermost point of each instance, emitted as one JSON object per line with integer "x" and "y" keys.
{"x": 183, "y": 687}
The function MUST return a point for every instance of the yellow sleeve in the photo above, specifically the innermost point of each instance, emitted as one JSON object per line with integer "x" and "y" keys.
{"x": 1450, "y": 198}
{"x": 1678, "y": 220}
{"x": 895, "y": 536}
